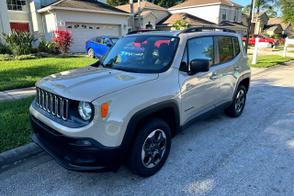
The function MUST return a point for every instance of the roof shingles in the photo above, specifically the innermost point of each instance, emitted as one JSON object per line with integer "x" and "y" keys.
{"x": 144, "y": 4}
{"x": 191, "y": 3}
{"x": 190, "y": 19}
{"x": 85, "y": 4}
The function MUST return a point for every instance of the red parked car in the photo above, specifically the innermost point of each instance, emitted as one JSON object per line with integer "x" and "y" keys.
{"x": 262, "y": 38}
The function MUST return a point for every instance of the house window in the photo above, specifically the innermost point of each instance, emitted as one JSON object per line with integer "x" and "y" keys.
{"x": 15, "y": 4}
{"x": 224, "y": 16}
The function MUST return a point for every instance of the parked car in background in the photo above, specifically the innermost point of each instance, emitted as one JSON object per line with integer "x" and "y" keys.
{"x": 99, "y": 46}
{"x": 263, "y": 39}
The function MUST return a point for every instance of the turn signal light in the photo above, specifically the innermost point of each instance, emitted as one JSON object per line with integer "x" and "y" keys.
{"x": 104, "y": 110}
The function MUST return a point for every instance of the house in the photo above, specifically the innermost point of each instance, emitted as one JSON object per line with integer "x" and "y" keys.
{"x": 168, "y": 22}
{"x": 259, "y": 22}
{"x": 84, "y": 18}
{"x": 287, "y": 28}
{"x": 146, "y": 15}
{"x": 215, "y": 11}
{"x": 4, "y": 24}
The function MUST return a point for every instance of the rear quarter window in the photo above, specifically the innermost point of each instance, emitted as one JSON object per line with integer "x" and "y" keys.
{"x": 228, "y": 48}
{"x": 236, "y": 46}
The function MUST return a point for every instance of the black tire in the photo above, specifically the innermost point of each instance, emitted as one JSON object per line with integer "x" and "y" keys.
{"x": 135, "y": 160}
{"x": 91, "y": 53}
{"x": 234, "y": 110}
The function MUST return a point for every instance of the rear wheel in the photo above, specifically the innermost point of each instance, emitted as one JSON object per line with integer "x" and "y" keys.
{"x": 91, "y": 53}
{"x": 150, "y": 149}
{"x": 238, "y": 104}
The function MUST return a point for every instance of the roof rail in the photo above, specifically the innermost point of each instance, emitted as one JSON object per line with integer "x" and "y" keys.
{"x": 141, "y": 31}
{"x": 203, "y": 28}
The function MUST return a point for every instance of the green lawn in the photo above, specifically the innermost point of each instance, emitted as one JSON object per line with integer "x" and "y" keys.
{"x": 269, "y": 61}
{"x": 15, "y": 128}
{"x": 18, "y": 74}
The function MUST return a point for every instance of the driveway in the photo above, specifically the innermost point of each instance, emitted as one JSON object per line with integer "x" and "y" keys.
{"x": 251, "y": 155}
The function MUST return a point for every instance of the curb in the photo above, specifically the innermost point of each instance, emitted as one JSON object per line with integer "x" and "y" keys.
{"x": 12, "y": 156}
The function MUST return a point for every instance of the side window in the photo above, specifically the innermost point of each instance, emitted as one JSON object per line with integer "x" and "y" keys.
{"x": 99, "y": 40}
{"x": 226, "y": 48}
{"x": 184, "y": 64}
{"x": 201, "y": 48}
{"x": 236, "y": 46}
{"x": 107, "y": 41}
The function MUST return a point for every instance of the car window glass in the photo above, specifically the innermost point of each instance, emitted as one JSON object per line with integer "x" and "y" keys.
{"x": 107, "y": 41}
{"x": 236, "y": 46}
{"x": 184, "y": 62}
{"x": 143, "y": 54}
{"x": 201, "y": 48}
{"x": 99, "y": 40}
{"x": 114, "y": 40}
{"x": 226, "y": 48}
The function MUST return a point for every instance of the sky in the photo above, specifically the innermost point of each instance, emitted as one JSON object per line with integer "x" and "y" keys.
{"x": 242, "y": 2}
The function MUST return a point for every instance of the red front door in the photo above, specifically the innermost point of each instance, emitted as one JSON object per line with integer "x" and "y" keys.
{"x": 20, "y": 27}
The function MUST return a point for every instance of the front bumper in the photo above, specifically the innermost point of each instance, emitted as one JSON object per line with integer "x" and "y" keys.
{"x": 79, "y": 154}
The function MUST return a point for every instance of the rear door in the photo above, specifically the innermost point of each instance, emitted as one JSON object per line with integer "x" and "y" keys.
{"x": 228, "y": 66}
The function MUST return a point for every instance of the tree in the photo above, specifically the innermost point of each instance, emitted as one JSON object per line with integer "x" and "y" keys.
{"x": 167, "y": 3}
{"x": 246, "y": 10}
{"x": 117, "y": 2}
{"x": 180, "y": 25}
{"x": 287, "y": 7}
{"x": 259, "y": 4}
{"x": 270, "y": 11}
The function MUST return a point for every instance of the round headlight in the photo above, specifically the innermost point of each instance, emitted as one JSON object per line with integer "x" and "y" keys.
{"x": 85, "y": 110}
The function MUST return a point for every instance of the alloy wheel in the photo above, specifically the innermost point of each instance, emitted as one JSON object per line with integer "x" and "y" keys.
{"x": 154, "y": 148}
{"x": 240, "y": 101}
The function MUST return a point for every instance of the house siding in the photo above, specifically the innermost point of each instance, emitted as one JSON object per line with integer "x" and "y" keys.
{"x": 4, "y": 23}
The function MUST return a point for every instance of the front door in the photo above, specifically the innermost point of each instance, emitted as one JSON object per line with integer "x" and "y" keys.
{"x": 199, "y": 92}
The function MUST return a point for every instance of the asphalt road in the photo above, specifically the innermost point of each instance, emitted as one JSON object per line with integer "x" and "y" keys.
{"x": 251, "y": 155}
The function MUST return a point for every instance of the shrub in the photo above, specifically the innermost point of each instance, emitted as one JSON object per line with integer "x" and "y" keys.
{"x": 63, "y": 40}
{"x": 19, "y": 42}
{"x": 4, "y": 49}
{"x": 25, "y": 57}
{"x": 180, "y": 25}
{"x": 48, "y": 47}
{"x": 6, "y": 57}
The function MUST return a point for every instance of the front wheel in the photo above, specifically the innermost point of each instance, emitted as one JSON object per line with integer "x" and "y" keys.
{"x": 91, "y": 53}
{"x": 238, "y": 104}
{"x": 151, "y": 148}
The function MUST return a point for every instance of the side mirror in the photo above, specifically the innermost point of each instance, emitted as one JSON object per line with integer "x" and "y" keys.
{"x": 199, "y": 65}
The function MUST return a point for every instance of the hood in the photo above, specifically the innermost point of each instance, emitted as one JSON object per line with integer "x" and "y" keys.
{"x": 90, "y": 83}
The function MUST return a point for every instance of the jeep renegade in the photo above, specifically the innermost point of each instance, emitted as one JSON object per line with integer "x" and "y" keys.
{"x": 126, "y": 107}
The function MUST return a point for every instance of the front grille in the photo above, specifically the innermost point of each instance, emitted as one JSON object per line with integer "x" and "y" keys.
{"x": 52, "y": 104}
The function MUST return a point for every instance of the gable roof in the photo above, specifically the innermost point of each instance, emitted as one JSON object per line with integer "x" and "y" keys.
{"x": 89, "y": 5}
{"x": 144, "y": 5}
{"x": 190, "y": 19}
{"x": 195, "y": 3}
{"x": 278, "y": 20}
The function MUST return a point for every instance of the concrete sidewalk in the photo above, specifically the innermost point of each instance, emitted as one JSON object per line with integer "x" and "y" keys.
{"x": 17, "y": 94}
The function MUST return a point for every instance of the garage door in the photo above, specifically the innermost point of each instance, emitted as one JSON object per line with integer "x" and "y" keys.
{"x": 82, "y": 32}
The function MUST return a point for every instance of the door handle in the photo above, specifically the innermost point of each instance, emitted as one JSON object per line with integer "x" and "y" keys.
{"x": 213, "y": 76}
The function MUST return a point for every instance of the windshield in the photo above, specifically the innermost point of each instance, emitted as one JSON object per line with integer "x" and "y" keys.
{"x": 142, "y": 54}
{"x": 114, "y": 40}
